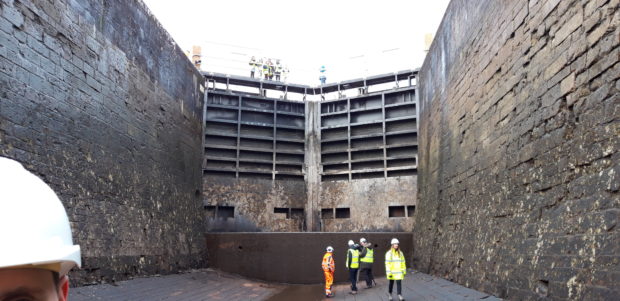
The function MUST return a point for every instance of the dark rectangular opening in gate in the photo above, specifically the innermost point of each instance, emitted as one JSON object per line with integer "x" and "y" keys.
{"x": 327, "y": 213}
{"x": 226, "y": 211}
{"x": 297, "y": 213}
{"x": 410, "y": 211}
{"x": 284, "y": 212}
{"x": 396, "y": 211}
{"x": 210, "y": 211}
{"x": 343, "y": 213}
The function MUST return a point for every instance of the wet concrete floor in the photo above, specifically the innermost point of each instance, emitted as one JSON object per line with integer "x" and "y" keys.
{"x": 210, "y": 284}
{"x": 299, "y": 293}
{"x": 197, "y": 285}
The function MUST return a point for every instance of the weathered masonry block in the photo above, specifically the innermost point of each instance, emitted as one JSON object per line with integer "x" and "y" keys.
{"x": 520, "y": 149}
{"x": 97, "y": 99}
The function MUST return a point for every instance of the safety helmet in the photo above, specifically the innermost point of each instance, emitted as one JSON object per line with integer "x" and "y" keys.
{"x": 351, "y": 242}
{"x": 329, "y": 249}
{"x": 35, "y": 228}
{"x": 394, "y": 241}
{"x": 362, "y": 240}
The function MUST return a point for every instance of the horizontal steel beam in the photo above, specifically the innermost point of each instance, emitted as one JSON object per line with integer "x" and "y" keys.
{"x": 309, "y": 90}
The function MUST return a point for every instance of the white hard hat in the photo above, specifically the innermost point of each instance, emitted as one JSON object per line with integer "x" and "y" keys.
{"x": 35, "y": 228}
{"x": 362, "y": 240}
{"x": 351, "y": 242}
{"x": 330, "y": 249}
{"x": 394, "y": 241}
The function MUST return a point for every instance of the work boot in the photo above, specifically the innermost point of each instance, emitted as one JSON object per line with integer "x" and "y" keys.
{"x": 390, "y": 296}
{"x": 400, "y": 297}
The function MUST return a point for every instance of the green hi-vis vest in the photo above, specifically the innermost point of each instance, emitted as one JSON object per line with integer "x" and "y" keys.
{"x": 369, "y": 256}
{"x": 355, "y": 259}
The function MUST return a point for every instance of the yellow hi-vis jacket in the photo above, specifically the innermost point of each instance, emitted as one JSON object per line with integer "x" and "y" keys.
{"x": 368, "y": 257}
{"x": 395, "y": 267}
{"x": 354, "y": 254}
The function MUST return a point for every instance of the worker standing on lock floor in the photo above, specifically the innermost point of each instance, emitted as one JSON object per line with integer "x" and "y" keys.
{"x": 366, "y": 262}
{"x": 37, "y": 248}
{"x": 395, "y": 268}
{"x": 329, "y": 267}
{"x": 353, "y": 264}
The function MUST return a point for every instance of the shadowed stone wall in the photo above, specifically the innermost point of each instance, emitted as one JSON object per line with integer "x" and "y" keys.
{"x": 97, "y": 99}
{"x": 368, "y": 201}
{"x": 254, "y": 200}
{"x": 519, "y": 149}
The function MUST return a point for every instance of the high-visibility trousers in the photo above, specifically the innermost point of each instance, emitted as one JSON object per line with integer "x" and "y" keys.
{"x": 329, "y": 280}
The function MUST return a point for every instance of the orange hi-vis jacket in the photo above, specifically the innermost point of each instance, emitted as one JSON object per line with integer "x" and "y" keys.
{"x": 328, "y": 262}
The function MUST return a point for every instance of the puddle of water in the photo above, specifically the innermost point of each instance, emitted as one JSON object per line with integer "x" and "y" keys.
{"x": 300, "y": 293}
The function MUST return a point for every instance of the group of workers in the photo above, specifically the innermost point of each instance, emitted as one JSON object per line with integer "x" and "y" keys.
{"x": 40, "y": 255}
{"x": 265, "y": 67}
{"x": 360, "y": 257}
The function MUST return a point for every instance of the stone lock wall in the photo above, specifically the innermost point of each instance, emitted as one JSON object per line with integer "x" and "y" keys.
{"x": 97, "y": 99}
{"x": 254, "y": 201}
{"x": 519, "y": 149}
{"x": 368, "y": 201}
